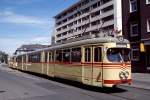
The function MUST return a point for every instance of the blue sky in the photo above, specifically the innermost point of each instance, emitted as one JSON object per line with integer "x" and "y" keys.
{"x": 28, "y": 21}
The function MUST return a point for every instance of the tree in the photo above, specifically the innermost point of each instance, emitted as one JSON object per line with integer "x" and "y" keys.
{"x": 3, "y": 57}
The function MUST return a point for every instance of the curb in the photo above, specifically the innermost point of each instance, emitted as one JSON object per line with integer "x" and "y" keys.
{"x": 137, "y": 86}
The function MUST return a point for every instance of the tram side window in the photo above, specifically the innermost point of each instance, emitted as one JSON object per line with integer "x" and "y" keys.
{"x": 24, "y": 58}
{"x": 76, "y": 55}
{"x": 87, "y": 55}
{"x": 59, "y": 56}
{"x": 19, "y": 59}
{"x": 35, "y": 58}
{"x": 50, "y": 57}
{"x": 46, "y": 53}
{"x": 66, "y": 55}
{"x": 97, "y": 54}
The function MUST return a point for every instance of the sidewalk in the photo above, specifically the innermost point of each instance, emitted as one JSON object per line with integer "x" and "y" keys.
{"x": 140, "y": 80}
{"x": 5, "y": 67}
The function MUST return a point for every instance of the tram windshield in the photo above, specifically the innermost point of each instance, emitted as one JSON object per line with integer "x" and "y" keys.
{"x": 118, "y": 54}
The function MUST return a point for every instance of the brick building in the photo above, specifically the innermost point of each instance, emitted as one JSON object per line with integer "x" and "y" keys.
{"x": 136, "y": 27}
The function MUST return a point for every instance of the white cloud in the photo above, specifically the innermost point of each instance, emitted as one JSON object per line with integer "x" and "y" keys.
{"x": 41, "y": 40}
{"x": 9, "y": 45}
{"x": 14, "y": 18}
{"x": 21, "y": 1}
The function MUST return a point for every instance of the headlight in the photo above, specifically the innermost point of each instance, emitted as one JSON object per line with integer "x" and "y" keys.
{"x": 124, "y": 75}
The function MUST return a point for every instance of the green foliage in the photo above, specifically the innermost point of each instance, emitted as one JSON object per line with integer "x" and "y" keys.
{"x": 3, "y": 57}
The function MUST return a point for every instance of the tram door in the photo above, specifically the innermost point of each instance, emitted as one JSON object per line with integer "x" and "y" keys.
{"x": 87, "y": 65}
{"x": 97, "y": 65}
{"x": 50, "y": 67}
{"x": 44, "y": 56}
{"x": 23, "y": 62}
{"x": 92, "y": 65}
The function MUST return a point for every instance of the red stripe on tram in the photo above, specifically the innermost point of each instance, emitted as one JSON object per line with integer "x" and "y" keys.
{"x": 117, "y": 81}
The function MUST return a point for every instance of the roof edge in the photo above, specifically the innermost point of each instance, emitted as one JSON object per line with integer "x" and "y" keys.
{"x": 70, "y": 7}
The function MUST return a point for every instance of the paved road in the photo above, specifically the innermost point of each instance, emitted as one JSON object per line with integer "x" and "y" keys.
{"x": 15, "y": 85}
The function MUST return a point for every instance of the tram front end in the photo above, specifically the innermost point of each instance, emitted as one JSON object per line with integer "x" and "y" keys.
{"x": 117, "y": 67}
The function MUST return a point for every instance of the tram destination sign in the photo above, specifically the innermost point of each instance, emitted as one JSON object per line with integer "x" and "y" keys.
{"x": 121, "y": 45}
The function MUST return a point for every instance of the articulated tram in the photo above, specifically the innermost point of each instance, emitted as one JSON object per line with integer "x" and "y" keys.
{"x": 101, "y": 62}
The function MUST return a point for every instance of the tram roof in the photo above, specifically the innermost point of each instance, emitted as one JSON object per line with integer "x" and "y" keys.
{"x": 81, "y": 42}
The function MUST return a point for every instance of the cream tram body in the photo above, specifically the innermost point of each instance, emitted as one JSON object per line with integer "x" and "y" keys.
{"x": 102, "y": 62}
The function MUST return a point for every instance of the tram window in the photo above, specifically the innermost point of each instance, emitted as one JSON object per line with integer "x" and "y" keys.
{"x": 50, "y": 57}
{"x": 19, "y": 59}
{"x": 66, "y": 55}
{"x": 87, "y": 55}
{"x": 59, "y": 56}
{"x": 35, "y": 58}
{"x": 30, "y": 58}
{"x": 76, "y": 55}
{"x": 45, "y": 57}
{"x": 97, "y": 54}
{"x": 24, "y": 58}
{"x": 118, "y": 54}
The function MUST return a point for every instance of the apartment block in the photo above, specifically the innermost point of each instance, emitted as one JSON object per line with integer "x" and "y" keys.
{"x": 136, "y": 27}
{"x": 86, "y": 17}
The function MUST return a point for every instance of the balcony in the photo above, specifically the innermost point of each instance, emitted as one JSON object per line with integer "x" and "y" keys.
{"x": 103, "y": 15}
{"x": 85, "y": 14}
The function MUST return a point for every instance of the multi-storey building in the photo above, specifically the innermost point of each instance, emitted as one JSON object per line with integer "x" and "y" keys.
{"x": 86, "y": 17}
{"x": 145, "y": 31}
{"x": 136, "y": 27}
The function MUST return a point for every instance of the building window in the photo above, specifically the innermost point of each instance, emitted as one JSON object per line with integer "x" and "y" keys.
{"x": 147, "y": 1}
{"x": 148, "y": 25}
{"x": 134, "y": 29}
{"x": 135, "y": 54}
{"x": 133, "y": 5}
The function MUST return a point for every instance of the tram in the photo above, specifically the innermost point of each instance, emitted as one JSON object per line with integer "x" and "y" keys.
{"x": 98, "y": 61}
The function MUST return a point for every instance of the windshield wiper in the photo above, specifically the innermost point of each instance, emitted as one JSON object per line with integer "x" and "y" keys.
{"x": 122, "y": 60}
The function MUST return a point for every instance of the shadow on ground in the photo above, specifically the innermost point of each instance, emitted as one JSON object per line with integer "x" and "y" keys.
{"x": 80, "y": 85}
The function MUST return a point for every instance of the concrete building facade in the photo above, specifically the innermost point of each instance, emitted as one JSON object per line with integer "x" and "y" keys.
{"x": 86, "y": 17}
